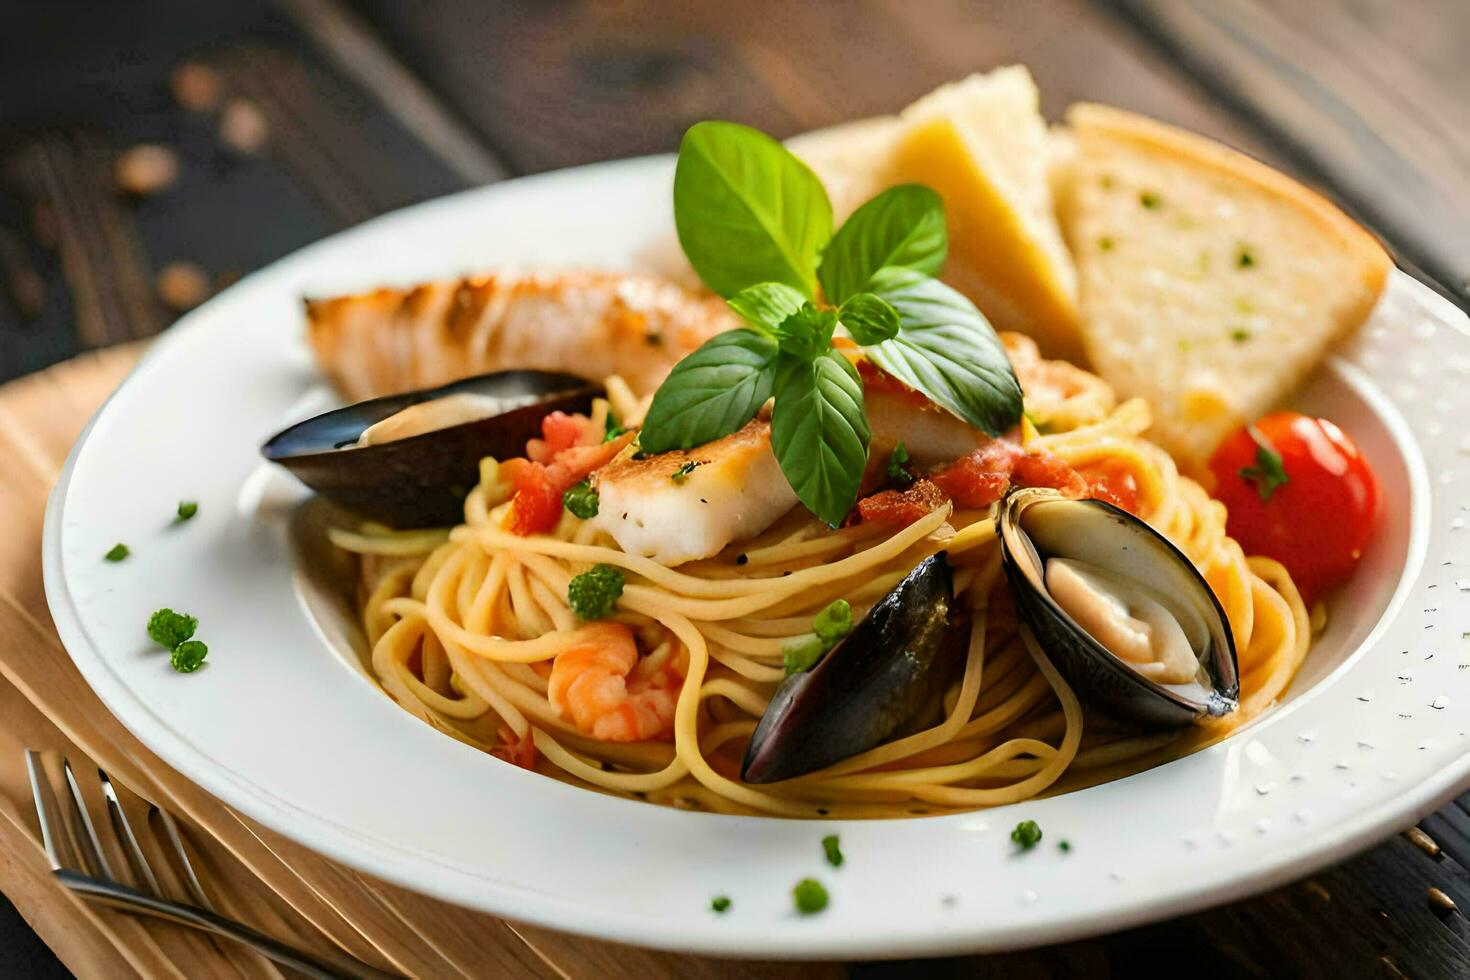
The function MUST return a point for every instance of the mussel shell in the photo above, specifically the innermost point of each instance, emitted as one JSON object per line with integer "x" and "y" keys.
{"x": 1101, "y": 680}
{"x": 421, "y": 481}
{"x": 867, "y": 688}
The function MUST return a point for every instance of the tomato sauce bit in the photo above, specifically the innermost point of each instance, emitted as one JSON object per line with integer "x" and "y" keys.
{"x": 985, "y": 475}
{"x": 558, "y": 463}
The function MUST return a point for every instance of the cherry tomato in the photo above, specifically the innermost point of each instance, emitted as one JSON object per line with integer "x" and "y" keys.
{"x": 1299, "y": 491}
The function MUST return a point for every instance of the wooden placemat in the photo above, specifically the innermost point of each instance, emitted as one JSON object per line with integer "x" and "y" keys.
{"x": 250, "y": 872}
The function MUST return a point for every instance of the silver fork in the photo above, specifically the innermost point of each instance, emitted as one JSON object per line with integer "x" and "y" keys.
{"x": 91, "y": 874}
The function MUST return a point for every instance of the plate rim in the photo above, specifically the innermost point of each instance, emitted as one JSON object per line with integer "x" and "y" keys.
{"x": 396, "y": 862}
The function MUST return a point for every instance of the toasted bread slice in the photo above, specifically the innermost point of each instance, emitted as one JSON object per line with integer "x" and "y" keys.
{"x": 1210, "y": 284}
{"x": 982, "y": 144}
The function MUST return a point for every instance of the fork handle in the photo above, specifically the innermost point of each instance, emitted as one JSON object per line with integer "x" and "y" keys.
{"x": 130, "y": 900}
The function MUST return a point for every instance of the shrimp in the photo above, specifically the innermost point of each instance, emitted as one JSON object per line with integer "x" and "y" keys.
{"x": 601, "y": 686}
{"x": 588, "y": 323}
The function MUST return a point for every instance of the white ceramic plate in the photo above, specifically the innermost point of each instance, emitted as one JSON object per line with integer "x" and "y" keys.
{"x": 1372, "y": 736}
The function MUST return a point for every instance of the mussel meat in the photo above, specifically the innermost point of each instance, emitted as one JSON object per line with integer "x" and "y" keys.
{"x": 1123, "y": 614}
{"x": 409, "y": 460}
{"x": 868, "y": 688}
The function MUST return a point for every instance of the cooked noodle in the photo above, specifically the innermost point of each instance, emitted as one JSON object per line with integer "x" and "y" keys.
{"x": 462, "y": 630}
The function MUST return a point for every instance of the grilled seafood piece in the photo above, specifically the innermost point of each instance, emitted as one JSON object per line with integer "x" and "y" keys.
{"x": 598, "y": 323}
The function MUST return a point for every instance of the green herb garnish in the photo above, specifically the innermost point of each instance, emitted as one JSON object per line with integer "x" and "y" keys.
{"x": 117, "y": 552}
{"x": 1149, "y": 200}
{"x": 833, "y": 623}
{"x": 720, "y": 903}
{"x": 1065, "y": 846}
{"x": 187, "y": 509}
{"x": 612, "y": 429}
{"x": 682, "y": 473}
{"x": 1105, "y": 244}
{"x": 832, "y": 847}
{"x": 1240, "y": 335}
{"x": 581, "y": 500}
{"x": 168, "y": 629}
{"x": 898, "y": 465}
{"x": 593, "y": 594}
{"x": 802, "y": 652}
{"x": 1245, "y": 258}
{"x": 1269, "y": 473}
{"x": 1027, "y": 834}
{"x": 188, "y": 656}
{"x": 756, "y": 225}
{"x": 810, "y": 896}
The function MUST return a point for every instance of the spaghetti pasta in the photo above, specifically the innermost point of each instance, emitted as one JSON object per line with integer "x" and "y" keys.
{"x": 465, "y": 632}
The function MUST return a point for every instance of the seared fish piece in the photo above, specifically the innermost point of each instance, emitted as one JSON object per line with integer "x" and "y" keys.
{"x": 589, "y": 323}
{"x": 679, "y": 506}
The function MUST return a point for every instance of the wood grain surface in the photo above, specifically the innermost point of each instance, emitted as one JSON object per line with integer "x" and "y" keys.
{"x": 373, "y": 104}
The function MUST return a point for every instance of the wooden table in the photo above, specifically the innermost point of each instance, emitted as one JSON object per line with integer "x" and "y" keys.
{"x": 326, "y": 113}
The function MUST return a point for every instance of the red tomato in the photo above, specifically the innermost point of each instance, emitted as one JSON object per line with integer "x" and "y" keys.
{"x": 1319, "y": 519}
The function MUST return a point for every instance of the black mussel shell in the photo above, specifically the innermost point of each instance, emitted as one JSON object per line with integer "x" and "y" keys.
{"x": 421, "y": 481}
{"x": 1114, "y": 538}
{"x": 868, "y": 688}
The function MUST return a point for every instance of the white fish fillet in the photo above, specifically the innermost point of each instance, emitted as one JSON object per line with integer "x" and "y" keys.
{"x": 734, "y": 490}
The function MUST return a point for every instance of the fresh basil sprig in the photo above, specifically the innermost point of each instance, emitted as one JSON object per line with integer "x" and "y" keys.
{"x": 756, "y": 225}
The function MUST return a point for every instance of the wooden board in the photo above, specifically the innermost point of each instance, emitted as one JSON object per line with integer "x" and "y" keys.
{"x": 373, "y": 104}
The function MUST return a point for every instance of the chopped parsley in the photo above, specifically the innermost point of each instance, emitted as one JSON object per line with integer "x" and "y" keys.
{"x": 802, "y": 652}
{"x": 1150, "y": 200}
{"x": 1269, "y": 473}
{"x": 169, "y": 629}
{"x": 188, "y": 656}
{"x": 1105, "y": 243}
{"x": 1245, "y": 258}
{"x": 833, "y": 623}
{"x": 118, "y": 552}
{"x": 613, "y": 429}
{"x": 1027, "y": 834}
{"x": 581, "y": 500}
{"x": 832, "y": 847}
{"x": 898, "y": 464}
{"x": 720, "y": 903}
{"x": 187, "y": 509}
{"x": 810, "y": 896}
{"x": 682, "y": 473}
{"x": 593, "y": 594}
{"x": 1240, "y": 335}
{"x": 1065, "y": 846}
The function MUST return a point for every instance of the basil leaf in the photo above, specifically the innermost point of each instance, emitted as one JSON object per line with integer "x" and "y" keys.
{"x": 711, "y": 393}
{"x": 902, "y": 227}
{"x": 948, "y": 350}
{"x": 806, "y": 333}
{"x": 766, "y": 304}
{"x": 747, "y": 210}
{"x": 819, "y": 430}
{"x": 870, "y": 319}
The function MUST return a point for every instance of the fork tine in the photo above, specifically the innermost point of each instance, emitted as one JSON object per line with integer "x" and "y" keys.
{"x": 45, "y": 809}
{"x": 172, "y": 834}
{"x": 87, "y": 839}
{"x": 124, "y": 831}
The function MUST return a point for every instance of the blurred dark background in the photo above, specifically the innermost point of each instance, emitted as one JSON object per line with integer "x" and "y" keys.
{"x": 151, "y": 153}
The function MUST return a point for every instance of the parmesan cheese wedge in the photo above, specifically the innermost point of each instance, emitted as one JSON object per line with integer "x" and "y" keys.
{"x": 1210, "y": 284}
{"x": 854, "y": 160}
{"x": 982, "y": 144}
